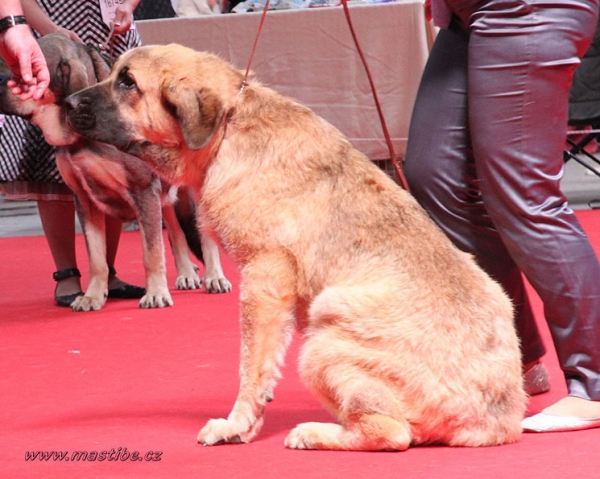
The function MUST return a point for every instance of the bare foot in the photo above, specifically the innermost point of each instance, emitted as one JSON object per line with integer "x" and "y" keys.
{"x": 575, "y": 407}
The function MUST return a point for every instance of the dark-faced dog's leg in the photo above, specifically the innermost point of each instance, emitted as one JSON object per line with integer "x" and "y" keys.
{"x": 148, "y": 204}
{"x": 214, "y": 278}
{"x": 187, "y": 271}
{"x": 268, "y": 303}
{"x": 94, "y": 229}
{"x": 200, "y": 244}
{"x": 93, "y": 224}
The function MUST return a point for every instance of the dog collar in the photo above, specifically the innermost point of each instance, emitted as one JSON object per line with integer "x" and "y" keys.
{"x": 11, "y": 21}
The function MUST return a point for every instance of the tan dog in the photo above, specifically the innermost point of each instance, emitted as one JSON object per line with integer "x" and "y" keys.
{"x": 406, "y": 339}
{"x": 106, "y": 180}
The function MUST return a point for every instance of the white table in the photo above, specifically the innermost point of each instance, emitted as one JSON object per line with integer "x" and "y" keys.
{"x": 309, "y": 55}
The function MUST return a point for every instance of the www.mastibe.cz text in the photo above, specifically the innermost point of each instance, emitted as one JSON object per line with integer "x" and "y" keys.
{"x": 120, "y": 454}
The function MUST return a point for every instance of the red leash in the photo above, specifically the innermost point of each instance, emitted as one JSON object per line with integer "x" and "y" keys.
{"x": 386, "y": 133}
{"x": 260, "y": 27}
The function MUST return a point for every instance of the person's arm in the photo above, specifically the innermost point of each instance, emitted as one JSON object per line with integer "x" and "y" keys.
{"x": 41, "y": 23}
{"x": 29, "y": 72}
{"x": 124, "y": 16}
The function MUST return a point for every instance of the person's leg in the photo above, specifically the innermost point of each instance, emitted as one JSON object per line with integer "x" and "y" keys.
{"x": 58, "y": 223}
{"x": 116, "y": 287}
{"x": 113, "y": 235}
{"x": 441, "y": 174}
{"x": 520, "y": 68}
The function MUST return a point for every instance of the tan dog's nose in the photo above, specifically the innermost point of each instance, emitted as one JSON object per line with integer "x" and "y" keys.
{"x": 72, "y": 102}
{"x": 79, "y": 112}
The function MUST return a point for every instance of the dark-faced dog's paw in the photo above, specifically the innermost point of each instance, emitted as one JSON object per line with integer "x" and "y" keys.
{"x": 217, "y": 285}
{"x": 160, "y": 299}
{"x": 188, "y": 282}
{"x": 88, "y": 303}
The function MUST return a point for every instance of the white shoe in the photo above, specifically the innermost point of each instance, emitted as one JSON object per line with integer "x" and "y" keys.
{"x": 548, "y": 423}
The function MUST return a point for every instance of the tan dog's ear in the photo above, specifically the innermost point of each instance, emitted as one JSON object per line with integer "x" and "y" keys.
{"x": 199, "y": 113}
{"x": 101, "y": 65}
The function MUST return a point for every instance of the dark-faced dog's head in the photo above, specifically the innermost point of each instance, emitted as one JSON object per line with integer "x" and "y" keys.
{"x": 157, "y": 102}
{"x": 72, "y": 67}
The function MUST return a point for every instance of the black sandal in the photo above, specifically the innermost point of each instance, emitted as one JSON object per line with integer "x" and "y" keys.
{"x": 66, "y": 300}
{"x": 126, "y": 291}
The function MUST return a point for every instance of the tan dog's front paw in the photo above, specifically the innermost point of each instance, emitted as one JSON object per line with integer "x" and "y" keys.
{"x": 88, "y": 303}
{"x": 156, "y": 300}
{"x": 216, "y": 285}
{"x": 224, "y": 431}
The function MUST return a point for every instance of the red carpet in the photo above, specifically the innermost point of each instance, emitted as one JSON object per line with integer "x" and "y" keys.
{"x": 145, "y": 381}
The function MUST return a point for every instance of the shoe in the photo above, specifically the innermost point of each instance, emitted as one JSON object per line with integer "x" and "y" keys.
{"x": 66, "y": 300}
{"x": 536, "y": 380}
{"x": 125, "y": 291}
{"x": 548, "y": 423}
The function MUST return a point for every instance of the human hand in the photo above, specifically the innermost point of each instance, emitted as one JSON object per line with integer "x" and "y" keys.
{"x": 124, "y": 16}
{"x": 69, "y": 34}
{"x": 29, "y": 72}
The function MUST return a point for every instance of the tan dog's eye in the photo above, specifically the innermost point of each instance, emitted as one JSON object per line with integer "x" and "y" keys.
{"x": 125, "y": 80}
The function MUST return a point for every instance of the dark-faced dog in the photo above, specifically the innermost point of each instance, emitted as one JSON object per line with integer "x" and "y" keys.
{"x": 107, "y": 181}
{"x": 407, "y": 340}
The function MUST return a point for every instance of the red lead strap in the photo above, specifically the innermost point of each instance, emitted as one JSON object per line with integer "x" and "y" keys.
{"x": 386, "y": 133}
{"x": 260, "y": 27}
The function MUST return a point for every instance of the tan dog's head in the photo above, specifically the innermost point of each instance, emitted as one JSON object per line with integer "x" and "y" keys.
{"x": 72, "y": 67}
{"x": 157, "y": 102}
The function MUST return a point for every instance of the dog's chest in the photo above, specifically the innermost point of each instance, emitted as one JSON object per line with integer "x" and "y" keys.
{"x": 106, "y": 182}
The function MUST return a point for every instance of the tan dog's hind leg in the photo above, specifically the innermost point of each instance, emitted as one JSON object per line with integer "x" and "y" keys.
{"x": 344, "y": 362}
{"x": 370, "y": 414}
{"x": 268, "y": 302}
{"x": 187, "y": 271}
{"x": 370, "y": 432}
